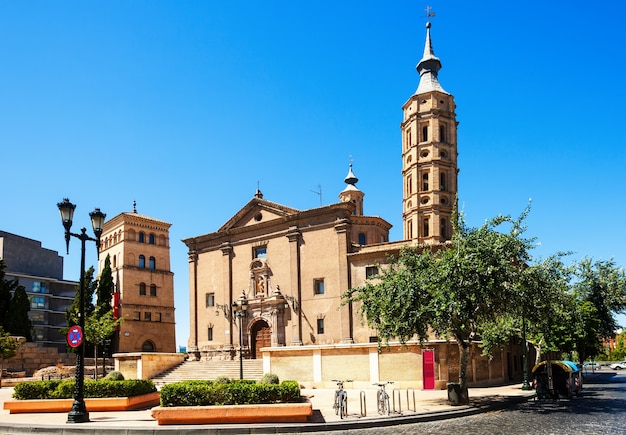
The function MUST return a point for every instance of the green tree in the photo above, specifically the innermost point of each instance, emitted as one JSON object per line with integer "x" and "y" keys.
{"x": 7, "y": 287}
{"x": 98, "y": 328}
{"x": 104, "y": 293}
{"x": 14, "y": 306}
{"x": 8, "y": 347}
{"x": 18, "y": 322}
{"x": 455, "y": 290}
{"x": 604, "y": 285}
{"x": 71, "y": 314}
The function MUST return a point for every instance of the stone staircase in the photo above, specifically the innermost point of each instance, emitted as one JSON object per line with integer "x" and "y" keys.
{"x": 188, "y": 370}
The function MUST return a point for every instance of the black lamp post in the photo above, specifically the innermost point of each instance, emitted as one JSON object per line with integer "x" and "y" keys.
{"x": 525, "y": 385}
{"x": 240, "y": 311}
{"x": 78, "y": 413}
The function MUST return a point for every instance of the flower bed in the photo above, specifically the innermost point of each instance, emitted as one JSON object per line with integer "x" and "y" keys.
{"x": 102, "y": 395}
{"x": 92, "y": 404}
{"x": 268, "y": 413}
{"x": 203, "y": 402}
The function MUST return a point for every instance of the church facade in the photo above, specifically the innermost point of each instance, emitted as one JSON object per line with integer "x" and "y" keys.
{"x": 288, "y": 268}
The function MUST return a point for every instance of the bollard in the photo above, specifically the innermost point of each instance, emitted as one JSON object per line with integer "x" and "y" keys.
{"x": 393, "y": 394}
{"x": 408, "y": 402}
{"x": 363, "y": 405}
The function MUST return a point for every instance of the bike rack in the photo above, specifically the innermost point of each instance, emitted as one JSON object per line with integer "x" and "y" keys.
{"x": 363, "y": 404}
{"x": 408, "y": 402}
{"x": 393, "y": 394}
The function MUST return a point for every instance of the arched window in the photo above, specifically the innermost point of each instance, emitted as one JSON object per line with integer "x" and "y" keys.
{"x": 115, "y": 261}
{"x": 142, "y": 237}
{"x": 444, "y": 228}
{"x": 151, "y": 239}
{"x": 409, "y": 185}
{"x": 409, "y": 229}
{"x": 147, "y": 346}
{"x": 442, "y": 181}
{"x": 142, "y": 262}
{"x": 152, "y": 290}
{"x": 152, "y": 263}
{"x": 425, "y": 133}
{"x": 362, "y": 239}
{"x": 142, "y": 289}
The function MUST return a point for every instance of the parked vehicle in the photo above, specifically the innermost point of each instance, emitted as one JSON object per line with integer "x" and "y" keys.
{"x": 618, "y": 366}
{"x": 592, "y": 365}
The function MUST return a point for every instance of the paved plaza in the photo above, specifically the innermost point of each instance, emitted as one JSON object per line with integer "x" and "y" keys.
{"x": 428, "y": 406}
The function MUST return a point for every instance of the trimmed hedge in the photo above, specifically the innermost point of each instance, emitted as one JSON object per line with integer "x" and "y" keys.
{"x": 205, "y": 393}
{"x": 93, "y": 389}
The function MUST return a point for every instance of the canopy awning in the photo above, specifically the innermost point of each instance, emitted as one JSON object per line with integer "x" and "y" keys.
{"x": 567, "y": 366}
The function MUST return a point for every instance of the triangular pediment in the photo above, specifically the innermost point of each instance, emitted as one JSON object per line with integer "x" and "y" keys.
{"x": 258, "y": 211}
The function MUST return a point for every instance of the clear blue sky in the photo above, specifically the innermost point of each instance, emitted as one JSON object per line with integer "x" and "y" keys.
{"x": 184, "y": 106}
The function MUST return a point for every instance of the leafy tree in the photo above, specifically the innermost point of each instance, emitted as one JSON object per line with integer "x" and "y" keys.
{"x": 104, "y": 293}
{"x": 604, "y": 285}
{"x": 98, "y": 328}
{"x": 18, "y": 322}
{"x": 8, "y": 347}
{"x": 7, "y": 287}
{"x": 14, "y": 306}
{"x": 454, "y": 290}
{"x": 71, "y": 314}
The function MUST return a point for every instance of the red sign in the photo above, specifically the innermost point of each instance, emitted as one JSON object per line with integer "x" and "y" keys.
{"x": 75, "y": 336}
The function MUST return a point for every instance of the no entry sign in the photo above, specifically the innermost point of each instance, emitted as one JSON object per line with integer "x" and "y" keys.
{"x": 75, "y": 336}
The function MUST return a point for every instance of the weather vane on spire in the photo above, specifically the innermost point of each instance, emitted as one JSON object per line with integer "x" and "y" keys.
{"x": 429, "y": 12}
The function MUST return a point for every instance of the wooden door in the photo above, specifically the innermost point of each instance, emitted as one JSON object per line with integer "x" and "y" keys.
{"x": 262, "y": 338}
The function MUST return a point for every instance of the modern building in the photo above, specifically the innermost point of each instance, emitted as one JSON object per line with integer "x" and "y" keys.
{"x": 40, "y": 271}
{"x": 288, "y": 269}
{"x": 139, "y": 250}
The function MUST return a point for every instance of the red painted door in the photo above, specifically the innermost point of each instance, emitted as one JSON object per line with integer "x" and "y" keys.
{"x": 428, "y": 369}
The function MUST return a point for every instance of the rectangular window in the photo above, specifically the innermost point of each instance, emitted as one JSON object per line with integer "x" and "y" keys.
{"x": 147, "y": 316}
{"x": 136, "y": 315}
{"x": 210, "y": 299}
{"x": 318, "y": 286}
{"x": 38, "y": 287}
{"x": 210, "y": 334}
{"x": 260, "y": 252}
{"x": 38, "y": 302}
{"x": 320, "y": 326}
{"x": 371, "y": 271}
{"x": 157, "y": 317}
{"x": 37, "y": 317}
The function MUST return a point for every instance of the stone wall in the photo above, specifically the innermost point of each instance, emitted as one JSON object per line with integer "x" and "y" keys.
{"x": 146, "y": 365}
{"x": 364, "y": 364}
{"x": 34, "y": 356}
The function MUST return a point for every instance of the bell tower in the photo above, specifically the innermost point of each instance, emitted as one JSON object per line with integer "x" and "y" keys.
{"x": 429, "y": 155}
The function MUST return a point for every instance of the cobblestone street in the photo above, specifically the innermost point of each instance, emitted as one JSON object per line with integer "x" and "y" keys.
{"x": 600, "y": 410}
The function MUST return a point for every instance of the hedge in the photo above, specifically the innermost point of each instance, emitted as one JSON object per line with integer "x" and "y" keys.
{"x": 64, "y": 389}
{"x": 204, "y": 393}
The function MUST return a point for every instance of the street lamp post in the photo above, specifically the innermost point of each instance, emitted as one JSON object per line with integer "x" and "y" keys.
{"x": 525, "y": 385}
{"x": 78, "y": 413}
{"x": 240, "y": 311}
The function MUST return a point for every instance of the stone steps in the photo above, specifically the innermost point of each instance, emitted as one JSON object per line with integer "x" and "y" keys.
{"x": 208, "y": 370}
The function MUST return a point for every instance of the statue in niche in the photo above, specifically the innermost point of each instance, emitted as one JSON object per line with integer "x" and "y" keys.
{"x": 260, "y": 285}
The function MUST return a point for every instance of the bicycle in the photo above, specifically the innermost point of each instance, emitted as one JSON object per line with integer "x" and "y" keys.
{"x": 340, "y": 403}
{"x": 382, "y": 398}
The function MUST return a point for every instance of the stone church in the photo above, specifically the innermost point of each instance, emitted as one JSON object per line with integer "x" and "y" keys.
{"x": 270, "y": 280}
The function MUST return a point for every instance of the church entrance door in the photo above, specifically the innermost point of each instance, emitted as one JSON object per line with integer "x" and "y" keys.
{"x": 261, "y": 337}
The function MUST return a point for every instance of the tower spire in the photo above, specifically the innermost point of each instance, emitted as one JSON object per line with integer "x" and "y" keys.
{"x": 429, "y": 66}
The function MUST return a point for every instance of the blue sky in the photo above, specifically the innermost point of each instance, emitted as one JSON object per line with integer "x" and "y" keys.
{"x": 185, "y": 106}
